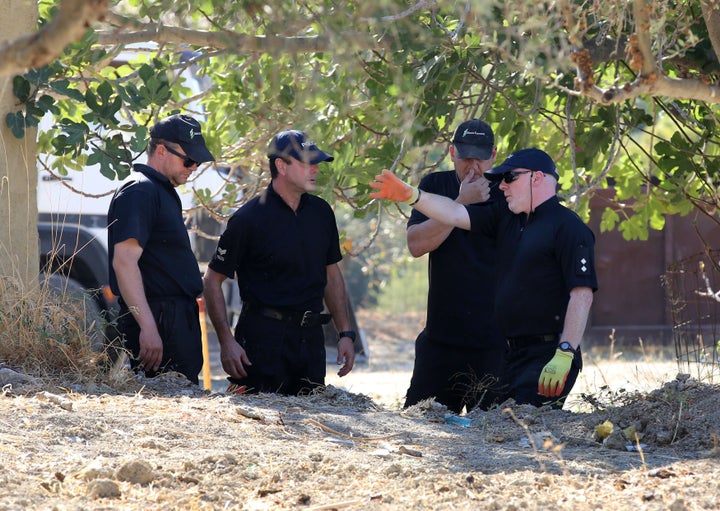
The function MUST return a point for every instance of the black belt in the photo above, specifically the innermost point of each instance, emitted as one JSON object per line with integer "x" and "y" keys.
{"x": 296, "y": 318}
{"x": 515, "y": 343}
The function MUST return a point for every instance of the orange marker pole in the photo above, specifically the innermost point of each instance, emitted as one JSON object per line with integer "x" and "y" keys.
{"x": 205, "y": 349}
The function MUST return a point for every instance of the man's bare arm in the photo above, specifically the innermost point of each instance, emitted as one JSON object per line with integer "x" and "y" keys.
{"x": 125, "y": 264}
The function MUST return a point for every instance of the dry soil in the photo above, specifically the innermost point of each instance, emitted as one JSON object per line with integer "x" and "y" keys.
{"x": 628, "y": 440}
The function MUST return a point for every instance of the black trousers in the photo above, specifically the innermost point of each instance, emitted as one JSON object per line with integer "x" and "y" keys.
{"x": 456, "y": 376}
{"x": 524, "y": 365}
{"x": 178, "y": 323}
{"x": 286, "y": 358}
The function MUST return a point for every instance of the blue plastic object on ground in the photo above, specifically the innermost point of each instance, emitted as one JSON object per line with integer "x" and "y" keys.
{"x": 458, "y": 421}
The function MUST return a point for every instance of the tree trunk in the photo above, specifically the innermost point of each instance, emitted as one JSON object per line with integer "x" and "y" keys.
{"x": 18, "y": 170}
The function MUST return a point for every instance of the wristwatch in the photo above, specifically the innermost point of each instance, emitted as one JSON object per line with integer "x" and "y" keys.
{"x": 347, "y": 333}
{"x": 566, "y": 346}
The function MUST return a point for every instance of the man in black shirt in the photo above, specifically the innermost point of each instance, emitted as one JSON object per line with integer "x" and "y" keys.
{"x": 459, "y": 355}
{"x": 546, "y": 276}
{"x": 283, "y": 248}
{"x": 152, "y": 265}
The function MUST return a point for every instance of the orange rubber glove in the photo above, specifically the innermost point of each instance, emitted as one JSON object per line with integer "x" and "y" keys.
{"x": 554, "y": 374}
{"x": 389, "y": 186}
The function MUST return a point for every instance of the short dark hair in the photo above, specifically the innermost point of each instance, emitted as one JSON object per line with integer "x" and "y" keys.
{"x": 155, "y": 142}
{"x": 153, "y": 145}
{"x": 273, "y": 165}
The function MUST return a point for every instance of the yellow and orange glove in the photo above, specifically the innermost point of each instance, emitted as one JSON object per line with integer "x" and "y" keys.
{"x": 390, "y": 187}
{"x": 554, "y": 374}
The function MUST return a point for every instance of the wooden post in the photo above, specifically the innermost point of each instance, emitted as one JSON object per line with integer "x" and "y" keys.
{"x": 207, "y": 380}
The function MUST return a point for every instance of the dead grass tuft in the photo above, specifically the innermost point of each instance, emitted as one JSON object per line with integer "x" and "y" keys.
{"x": 45, "y": 333}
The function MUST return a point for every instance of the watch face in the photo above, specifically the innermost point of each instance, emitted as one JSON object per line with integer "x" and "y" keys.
{"x": 565, "y": 346}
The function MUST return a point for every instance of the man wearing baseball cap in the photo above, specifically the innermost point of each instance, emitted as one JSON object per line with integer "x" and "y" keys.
{"x": 283, "y": 248}
{"x": 545, "y": 270}
{"x": 459, "y": 354}
{"x": 152, "y": 266}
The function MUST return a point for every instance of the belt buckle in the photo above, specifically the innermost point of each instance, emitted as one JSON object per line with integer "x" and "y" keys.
{"x": 305, "y": 321}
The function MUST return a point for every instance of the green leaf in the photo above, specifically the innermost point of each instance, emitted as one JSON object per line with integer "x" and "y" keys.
{"x": 21, "y": 88}
{"x": 16, "y": 123}
{"x": 609, "y": 219}
{"x": 60, "y": 86}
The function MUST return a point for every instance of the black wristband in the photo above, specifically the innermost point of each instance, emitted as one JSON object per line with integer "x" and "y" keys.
{"x": 347, "y": 333}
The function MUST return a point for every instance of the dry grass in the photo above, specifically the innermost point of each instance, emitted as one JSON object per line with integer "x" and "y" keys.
{"x": 45, "y": 333}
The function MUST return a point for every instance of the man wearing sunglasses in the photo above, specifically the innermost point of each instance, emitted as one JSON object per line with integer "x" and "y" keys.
{"x": 152, "y": 266}
{"x": 545, "y": 270}
{"x": 459, "y": 354}
{"x": 283, "y": 248}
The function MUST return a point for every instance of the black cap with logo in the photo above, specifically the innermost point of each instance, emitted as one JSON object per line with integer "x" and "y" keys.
{"x": 184, "y": 131}
{"x": 474, "y": 139}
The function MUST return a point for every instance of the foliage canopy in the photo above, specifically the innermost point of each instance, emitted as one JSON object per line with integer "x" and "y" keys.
{"x": 621, "y": 94}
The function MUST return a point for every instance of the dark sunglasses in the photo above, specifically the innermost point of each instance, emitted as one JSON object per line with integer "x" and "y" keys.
{"x": 187, "y": 161}
{"x": 509, "y": 177}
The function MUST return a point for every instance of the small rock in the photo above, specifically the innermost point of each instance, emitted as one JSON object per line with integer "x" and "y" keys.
{"x": 616, "y": 440}
{"x": 103, "y": 489}
{"x": 10, "y": 377}
{"x": 136, "y": 472}
{"x": 94, "y": 470}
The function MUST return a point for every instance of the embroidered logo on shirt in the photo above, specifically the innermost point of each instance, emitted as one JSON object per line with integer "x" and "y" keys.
{"x": 582, "y": 258}
{"x": 583, "y": 265}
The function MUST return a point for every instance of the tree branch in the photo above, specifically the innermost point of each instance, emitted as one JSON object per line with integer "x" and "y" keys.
{"x": 73, "y": 19}
{"x": 242, "y": 43}
{"x": 650, "y": 79}
{"x": 643, "y": 59}
{"x": 711, "y": 13}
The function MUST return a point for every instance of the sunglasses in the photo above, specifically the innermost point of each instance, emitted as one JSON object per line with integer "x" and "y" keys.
{"x": 187, "y": 161}
{"x": 509, "y": 177}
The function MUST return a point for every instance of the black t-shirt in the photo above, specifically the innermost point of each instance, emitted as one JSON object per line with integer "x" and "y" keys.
{"x": 147, "y": 207}
{"x": 280, "y": 256}
{"x": 539, "y": 262}
{"x": 461, "y": 277}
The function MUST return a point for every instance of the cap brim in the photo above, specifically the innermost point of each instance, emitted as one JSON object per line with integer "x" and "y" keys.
{"x": 313, "y": 157}
{"x": 473, "y": 151}
{"x": 320, "y": 157}
{"x": 197, "y": 152}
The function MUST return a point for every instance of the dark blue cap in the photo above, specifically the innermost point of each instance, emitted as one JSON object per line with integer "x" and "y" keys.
{"x": 184, "y": 131}
{"x": 296, "y": 144}
{"x": 531, "y": 159}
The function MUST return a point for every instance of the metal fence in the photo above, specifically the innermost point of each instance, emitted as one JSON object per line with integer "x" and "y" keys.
{"x": 693, "y": 290}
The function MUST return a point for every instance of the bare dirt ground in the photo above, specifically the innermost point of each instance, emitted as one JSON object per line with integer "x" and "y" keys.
{"x": 165, "y": 445}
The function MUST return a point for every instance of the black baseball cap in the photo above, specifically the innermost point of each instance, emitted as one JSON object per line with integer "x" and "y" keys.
{"x": 531, "y": 159}
{"x": 184, "y": 131}
{"x": 474, "y": 139}
{"x": 296, "y": 144}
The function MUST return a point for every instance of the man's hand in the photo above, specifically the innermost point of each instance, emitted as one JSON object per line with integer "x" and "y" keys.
{"x": 554, "y": 374}
{"x": 151, "y": 349}
{"x": 346, "y": 354}
{"x": 473, "y": 189}
{"x": 234, "y": 359}
{"x": 391, "y": 187}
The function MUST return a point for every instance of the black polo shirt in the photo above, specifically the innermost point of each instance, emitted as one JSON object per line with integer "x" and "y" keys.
{"x": 147, "y": 207}
{"x": 461, "y": 276}
{"x": 280, "y": 256}
{"x": 540, "y": 260}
